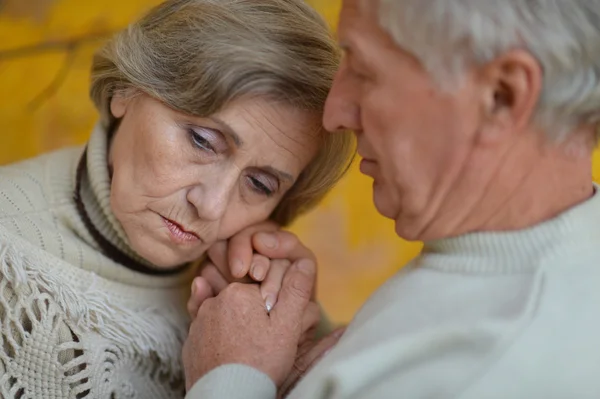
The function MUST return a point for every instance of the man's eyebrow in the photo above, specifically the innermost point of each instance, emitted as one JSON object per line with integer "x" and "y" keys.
{"x": 227, "y": 130}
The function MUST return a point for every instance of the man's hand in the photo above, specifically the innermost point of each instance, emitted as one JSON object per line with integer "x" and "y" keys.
{"x": 309, "y": 354}
{"x": 235, "y": 328}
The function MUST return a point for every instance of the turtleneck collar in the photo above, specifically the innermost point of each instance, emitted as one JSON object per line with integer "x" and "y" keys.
{"x": 94, "y": 187}
{"x": 518, "y": 251}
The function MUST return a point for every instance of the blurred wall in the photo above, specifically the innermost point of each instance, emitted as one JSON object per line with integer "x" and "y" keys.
{"x": 45, "y": 52}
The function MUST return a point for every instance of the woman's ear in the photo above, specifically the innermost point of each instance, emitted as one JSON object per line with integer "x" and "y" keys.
{"x": 119, "y": 103}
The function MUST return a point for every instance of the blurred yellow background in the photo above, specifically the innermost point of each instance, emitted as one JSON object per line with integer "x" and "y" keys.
{"x": 45, "y": 54}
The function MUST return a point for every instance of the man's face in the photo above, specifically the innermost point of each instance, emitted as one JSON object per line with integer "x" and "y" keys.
{"x": 415, "y": 139}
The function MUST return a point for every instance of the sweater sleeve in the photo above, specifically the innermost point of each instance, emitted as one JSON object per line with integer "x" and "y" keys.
{"x": 233, "y": 381}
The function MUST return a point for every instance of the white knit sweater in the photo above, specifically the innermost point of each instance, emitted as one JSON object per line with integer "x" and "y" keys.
{"x": 73, "y": 322}
{"x": 512, "y": 315}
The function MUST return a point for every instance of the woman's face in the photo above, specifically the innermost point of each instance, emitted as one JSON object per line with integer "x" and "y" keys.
{"x": 180, "y": 183}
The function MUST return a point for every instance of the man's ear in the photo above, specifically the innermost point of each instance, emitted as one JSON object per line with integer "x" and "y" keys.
{"x": 511, "y": 87}
{"x": 120, "y": 102}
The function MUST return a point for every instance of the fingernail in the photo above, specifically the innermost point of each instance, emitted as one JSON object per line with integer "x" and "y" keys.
{"x": 269, "y": 302}
{"x": 194, "y": 288}
{"x": 306, "y": 266}
{"x": 268, "y": 240}
{"x": 238, "y": 267}
{"x": 258, "y": 272}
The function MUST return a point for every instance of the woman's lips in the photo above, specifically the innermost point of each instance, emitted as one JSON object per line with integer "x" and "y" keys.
{"x": 178, "y": 234}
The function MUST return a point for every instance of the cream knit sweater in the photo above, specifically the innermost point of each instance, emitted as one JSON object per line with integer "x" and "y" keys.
{"x": 73, "y": 322}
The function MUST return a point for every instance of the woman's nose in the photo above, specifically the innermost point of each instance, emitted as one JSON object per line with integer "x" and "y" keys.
{"x": 341, "y": 109}
{"x": 211, "y": 200}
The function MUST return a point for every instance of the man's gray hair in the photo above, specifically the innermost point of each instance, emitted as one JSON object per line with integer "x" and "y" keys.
{"x": 564, "y": 36}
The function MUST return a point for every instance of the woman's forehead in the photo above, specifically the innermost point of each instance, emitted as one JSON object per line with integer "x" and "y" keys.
{"x": 270, "y": 125}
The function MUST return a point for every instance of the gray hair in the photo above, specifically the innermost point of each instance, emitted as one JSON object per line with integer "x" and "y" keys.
{"x": 198, "y": 56}
{"x": 564, "y": 36}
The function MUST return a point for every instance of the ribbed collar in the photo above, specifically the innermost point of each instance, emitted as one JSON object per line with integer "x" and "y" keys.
{"x": 518, "y": 251}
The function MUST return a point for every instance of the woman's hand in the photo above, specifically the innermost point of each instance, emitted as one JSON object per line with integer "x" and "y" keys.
{"x": 260, "y": 253}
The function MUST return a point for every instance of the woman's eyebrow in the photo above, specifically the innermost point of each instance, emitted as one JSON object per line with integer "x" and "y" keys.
{"x": 227, "y": 130}
{"x": 283, "y": 176}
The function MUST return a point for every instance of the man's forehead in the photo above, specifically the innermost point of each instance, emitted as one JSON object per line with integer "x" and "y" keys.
{"x": 356, "y": 11}
{"x": 358, "y": 7}
{"x": 356, "y": 17}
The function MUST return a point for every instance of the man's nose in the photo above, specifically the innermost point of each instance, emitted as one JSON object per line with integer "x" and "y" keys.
{"x": 341, "y": 109}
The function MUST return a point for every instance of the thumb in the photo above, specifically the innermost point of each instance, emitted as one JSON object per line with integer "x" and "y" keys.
{"x": 295, "y": 294}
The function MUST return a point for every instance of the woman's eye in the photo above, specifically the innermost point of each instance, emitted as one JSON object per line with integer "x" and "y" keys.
{"x": 261, "y": 187}
{"x": 200, "y": 142}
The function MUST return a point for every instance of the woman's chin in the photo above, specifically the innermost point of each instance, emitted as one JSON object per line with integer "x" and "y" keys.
{"x": 166, "y": 258}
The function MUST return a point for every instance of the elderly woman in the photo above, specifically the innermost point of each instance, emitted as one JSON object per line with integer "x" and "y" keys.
{"x": 209, "y": 122}
{"x": 477, "y": 121}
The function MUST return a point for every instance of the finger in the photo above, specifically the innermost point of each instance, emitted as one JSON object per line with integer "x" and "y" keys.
{"x": 270, "y": 287}
{"x": 213, "y": 276}
{"x": 201, "y": 290}
{"x": 217, "y": 255}
{"x": 240, "y": 248}
{"x": 295, "y": 295}
{"x": 309, "y": 358}
{"x": 260, "y": 268}
{"x": 281, "y": 245}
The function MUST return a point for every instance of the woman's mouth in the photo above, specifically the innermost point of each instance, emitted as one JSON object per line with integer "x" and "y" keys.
{"x": 178, "y": 233}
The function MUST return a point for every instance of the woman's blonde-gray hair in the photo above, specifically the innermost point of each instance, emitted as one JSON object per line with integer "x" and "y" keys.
{"x": 564, "y": 36}
{"x": 197, "y": 56}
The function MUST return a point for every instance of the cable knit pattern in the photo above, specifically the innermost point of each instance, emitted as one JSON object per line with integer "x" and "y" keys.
{"x": 73, "y": 323}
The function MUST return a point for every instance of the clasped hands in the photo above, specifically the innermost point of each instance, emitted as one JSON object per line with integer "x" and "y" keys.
{"x": 253, "y": 304}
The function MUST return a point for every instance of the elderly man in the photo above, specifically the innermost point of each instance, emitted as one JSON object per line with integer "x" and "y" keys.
{"x": 477, "y": 120}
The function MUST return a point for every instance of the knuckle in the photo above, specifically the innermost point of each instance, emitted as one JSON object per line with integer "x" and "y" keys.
{"x": 281, "y": 263}
{"x": 298, "y": 290}
{"x": 235, "y": 291}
